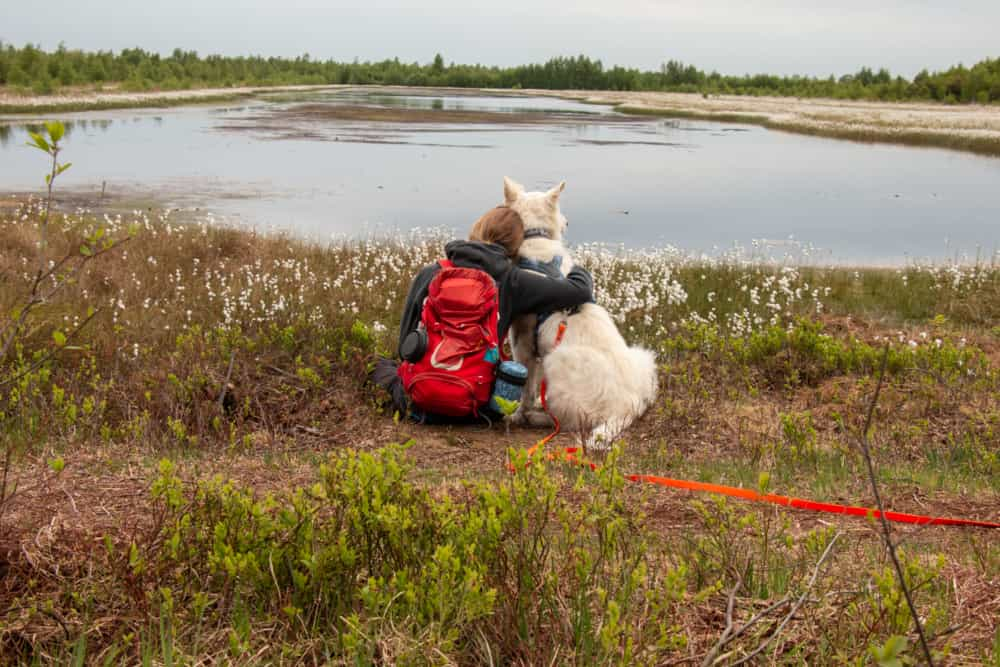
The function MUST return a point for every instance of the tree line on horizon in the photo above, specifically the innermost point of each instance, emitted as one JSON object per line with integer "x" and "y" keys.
{"x": 31, "y": 68}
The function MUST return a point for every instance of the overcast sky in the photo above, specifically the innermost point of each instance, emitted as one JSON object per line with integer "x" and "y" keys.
{"x": 777, "y": 36}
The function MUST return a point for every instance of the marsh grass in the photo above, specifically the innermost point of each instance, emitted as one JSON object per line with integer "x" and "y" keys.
{"x": 889, "y": 134}
{"x": 239, "y": 354}
{"x": 874, "y": 133}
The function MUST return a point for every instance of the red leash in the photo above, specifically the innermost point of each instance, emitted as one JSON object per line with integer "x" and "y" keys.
{"x": 799, "y": 503}
{"x": 545, "y": 406}
{"x": 542, "y": 393}
{"x": 569, "y": 454}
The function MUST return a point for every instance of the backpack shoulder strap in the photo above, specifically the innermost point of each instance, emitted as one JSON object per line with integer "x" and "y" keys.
{"x": 445, "y": 264}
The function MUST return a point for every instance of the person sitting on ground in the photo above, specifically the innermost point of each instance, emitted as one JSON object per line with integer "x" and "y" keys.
{"x": 492, "y": 246}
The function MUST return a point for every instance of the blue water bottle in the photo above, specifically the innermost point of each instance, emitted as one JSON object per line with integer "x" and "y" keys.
{"x": 511, "y": 377}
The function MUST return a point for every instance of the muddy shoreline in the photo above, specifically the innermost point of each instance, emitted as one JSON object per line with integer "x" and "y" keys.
{"x": 354, "y": 122}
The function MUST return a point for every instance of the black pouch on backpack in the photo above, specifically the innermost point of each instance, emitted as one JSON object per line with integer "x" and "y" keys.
{"x": 414, "y": 346}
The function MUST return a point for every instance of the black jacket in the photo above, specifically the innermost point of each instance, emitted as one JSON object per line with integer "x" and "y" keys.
{"x": 520, "y": 291}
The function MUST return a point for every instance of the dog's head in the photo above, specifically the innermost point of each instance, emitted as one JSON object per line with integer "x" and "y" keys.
{"x": 538, "y": 210}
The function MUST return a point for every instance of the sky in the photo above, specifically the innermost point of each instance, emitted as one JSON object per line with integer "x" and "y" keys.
{"x": 773, "y": 36}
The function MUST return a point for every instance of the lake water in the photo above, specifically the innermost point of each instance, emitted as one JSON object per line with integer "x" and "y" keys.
{"x": 314, "y": 164}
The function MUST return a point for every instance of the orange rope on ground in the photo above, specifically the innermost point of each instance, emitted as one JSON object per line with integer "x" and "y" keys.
{"x": 812, "y": 505}
{"x": 569, "y": 454}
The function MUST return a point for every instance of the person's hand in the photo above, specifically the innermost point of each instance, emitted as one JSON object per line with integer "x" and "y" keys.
{"x": 580, "y": 275}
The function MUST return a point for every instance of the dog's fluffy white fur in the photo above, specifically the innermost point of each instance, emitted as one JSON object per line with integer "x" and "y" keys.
{"x": 596, "y": 384}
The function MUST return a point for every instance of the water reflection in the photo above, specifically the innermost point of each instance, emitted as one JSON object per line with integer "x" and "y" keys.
{"x": 633, "y": 180}
{"x": 11, "y": 130}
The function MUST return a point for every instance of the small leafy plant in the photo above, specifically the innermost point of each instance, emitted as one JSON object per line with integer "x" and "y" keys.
{"x": 26, "y": 361}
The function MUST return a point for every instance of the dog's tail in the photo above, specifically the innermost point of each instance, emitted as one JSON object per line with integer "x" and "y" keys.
{"x": 644, "y": 375}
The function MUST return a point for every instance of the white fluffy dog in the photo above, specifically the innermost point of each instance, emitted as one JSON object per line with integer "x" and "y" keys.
{"x": 596, "y": 384}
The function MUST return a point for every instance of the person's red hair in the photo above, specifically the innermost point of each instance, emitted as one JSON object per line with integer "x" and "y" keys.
{"x": 501, "y": 225}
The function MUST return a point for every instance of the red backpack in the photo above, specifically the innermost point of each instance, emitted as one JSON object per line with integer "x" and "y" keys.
{"x": 454, "y": 377}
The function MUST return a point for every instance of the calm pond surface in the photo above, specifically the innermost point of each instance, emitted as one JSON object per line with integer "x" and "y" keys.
{"x": 318, "y": 163}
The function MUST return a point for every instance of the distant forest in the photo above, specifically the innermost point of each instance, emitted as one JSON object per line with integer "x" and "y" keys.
{"x": 31, "y": 69}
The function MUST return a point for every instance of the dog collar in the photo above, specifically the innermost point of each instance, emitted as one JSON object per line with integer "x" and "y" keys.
{"x": 537, "y": 233}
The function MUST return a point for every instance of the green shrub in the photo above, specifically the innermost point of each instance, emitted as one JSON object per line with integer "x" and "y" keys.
{"x": 369, "y": 561}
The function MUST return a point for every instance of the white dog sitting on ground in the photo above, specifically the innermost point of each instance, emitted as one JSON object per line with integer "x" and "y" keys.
{"x": 596, "y": 384}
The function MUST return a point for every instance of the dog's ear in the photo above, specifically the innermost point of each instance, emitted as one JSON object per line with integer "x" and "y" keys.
{"x": 511, "y": 190}
{"x": 553, "y": 195}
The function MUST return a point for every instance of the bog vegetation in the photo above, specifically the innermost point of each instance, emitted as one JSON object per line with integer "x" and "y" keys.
{"x": 196, "y": 472}
{"x": 42, "y": 72}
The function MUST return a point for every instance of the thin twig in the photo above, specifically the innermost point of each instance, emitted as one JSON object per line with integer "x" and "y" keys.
{"x": 50, "y": 181}
{"x": 225, "y": 383}
{"x": 53, "y": 615}
{"x": 71, "y": 501}
{"x": 886, "y": 530}
{"x": 282, "y": 371}
{"x": 710, "y": 658}
{"x": 760, "y": 615}
{"x": 795, "y": 608}
{"x": 35, "y": 299}
{"x": 7, "y": 456}
{"x": 43, "y": 227}
{"x": 44, "y": 358}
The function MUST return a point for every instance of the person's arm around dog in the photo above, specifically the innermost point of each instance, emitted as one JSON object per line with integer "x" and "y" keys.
{"x": 536, "y": 293}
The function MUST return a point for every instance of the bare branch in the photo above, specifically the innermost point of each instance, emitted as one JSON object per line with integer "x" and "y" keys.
{"x": 46, "y": 357}
{"x": 795, "y": 608}
{"x": 726, "y": 634}
{"x": 886, "y": 530}
{"x": 35, "y": 299}
{"x": 50, "y": 181}
{"x": 225, "y": 383}
{"x": 4, "y": 498}
{"x": 760, "y": 615}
